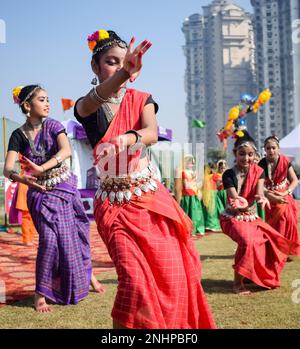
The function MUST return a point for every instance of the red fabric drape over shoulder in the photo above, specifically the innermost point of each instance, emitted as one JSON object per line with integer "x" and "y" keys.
{"x": 262, "y": 251}
{"x": 284, "y": 217}
{"x": 160, "y": 202}
{"x": 249, "y": 187}
{"x": 149, "y": 242}
{"x": 281, "y": 171}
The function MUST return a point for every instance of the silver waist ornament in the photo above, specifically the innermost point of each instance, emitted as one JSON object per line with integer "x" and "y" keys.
{"x": 248, "y": 216}
{"x": 120, "y": 190}
{"x": 281, "y": 185}
{"x": 54, "y": 176}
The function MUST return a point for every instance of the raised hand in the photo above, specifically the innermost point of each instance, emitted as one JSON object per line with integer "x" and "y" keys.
{"x": 133, "y": 58}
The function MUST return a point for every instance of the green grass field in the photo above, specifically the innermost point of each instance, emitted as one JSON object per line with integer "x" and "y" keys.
{"x": 261, "y": 309}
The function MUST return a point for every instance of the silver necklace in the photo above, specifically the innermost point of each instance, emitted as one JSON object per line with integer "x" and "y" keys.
{"x": 31, "y": 126}
{"x": 118, "y": 99}
{"x": 40, "y": 153}
{"x": 241, "y": 176}
{"x": 271, "y": 169}
{"x": 107, "y": 112}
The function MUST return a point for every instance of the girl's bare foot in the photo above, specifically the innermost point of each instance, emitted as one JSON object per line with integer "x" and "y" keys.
{"x": 97, "y": 286}
{"x": 40, "y": 304}
{"x": 241, "y": 290}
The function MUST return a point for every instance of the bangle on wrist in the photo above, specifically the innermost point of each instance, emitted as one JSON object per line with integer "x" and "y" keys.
{"x": 58, "y": 159}
{"x": 137, "y": 135}
{"x": 96, "y": 97}
{"x": 12, "y": 172}
{"x": 290, "y": 192}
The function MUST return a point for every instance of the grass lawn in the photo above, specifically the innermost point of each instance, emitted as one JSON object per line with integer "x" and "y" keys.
{"x": 261, "y": 309}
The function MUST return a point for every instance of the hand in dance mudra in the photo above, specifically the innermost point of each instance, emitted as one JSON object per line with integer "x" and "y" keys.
{"x": 117, "y": 158}
{"x": 133, "y": 59}
{"x": 32, "y": 170}
{"x": 277, "y": 198}
{"x": 262, "y": 201}
{"x": 238, "y": 203}
{"x": 31, "y": 167}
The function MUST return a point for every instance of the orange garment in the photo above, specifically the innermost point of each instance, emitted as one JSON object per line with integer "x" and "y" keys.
{"x": 27, "y": 226}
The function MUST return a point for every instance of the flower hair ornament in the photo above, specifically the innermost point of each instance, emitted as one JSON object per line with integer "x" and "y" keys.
{"x": 16, "y": 92}
{"x": 236, "y": 117}
{"x": 101, "y": 35}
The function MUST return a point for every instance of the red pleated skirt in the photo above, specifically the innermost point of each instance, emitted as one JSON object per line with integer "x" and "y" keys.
{"x": 158, "y": 273}
{"x": 284, "y": 219}
{"x": 261, "y": 253}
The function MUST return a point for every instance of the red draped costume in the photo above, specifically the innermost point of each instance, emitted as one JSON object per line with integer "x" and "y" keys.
{"x": 149, "y": 242}
{"x": 262, "y": 251}
{"x": 283, "y": 217}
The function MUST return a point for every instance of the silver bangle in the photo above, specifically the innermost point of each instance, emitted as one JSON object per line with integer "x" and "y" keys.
{"x": 58, "y": 159}
{"x": 290, "y": 192}
{"x": 96, "y": 97}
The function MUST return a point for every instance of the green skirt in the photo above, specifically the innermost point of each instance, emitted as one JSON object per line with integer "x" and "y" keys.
{"x": 192, "y": 206}
{"x": 211, "y": 219}
{"x": 221, "y": 201}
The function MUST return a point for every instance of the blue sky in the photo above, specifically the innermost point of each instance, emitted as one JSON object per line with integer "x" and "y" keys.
{"x": 46, "y": 43}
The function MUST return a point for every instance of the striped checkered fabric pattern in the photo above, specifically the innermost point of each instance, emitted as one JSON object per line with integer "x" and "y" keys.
{"x": 63, "y": 265}
{"x": 158, "y": 274}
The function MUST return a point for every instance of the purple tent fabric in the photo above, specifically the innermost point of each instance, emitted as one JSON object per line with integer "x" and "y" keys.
{"x": 73, "y": 127}
{"x": 164, "y": 134}
{"x": 69, "y": 125}
{"x": 79, "y": 132}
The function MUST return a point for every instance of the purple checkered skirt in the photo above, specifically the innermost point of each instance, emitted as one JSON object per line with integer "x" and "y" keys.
{"x": 63, "y": 265}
